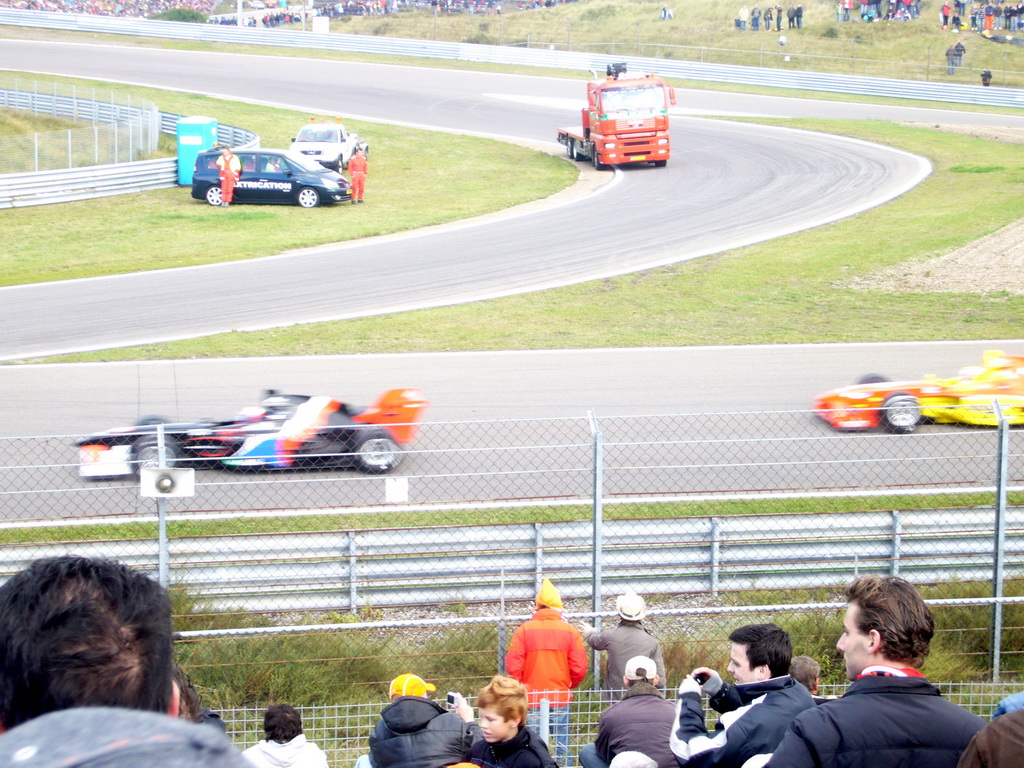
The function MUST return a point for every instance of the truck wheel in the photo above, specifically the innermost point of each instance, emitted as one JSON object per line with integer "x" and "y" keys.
{"x": 598, "y": 165}
{"x": 660, "y": 163}
{"x": 570, "y": 149}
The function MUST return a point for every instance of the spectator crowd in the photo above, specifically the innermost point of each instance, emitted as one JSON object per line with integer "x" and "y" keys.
{"x": 88, "y": 679}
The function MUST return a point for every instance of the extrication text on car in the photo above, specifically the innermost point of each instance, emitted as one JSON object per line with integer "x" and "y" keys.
{"x": 900, "y": 407}
{"x": 625, "y": 120}
{"x": 282, "y": 432}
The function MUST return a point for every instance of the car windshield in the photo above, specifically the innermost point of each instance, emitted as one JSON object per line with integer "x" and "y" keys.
{"x": 305, "y": 163}
{"x": 318, "y": 133}
{"x": 619, "y": 99}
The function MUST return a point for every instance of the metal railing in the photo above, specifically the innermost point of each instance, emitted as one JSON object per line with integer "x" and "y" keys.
{"x": 92, "y": 181}
{"x": 112, "y": 128}
{"x": 547, "y": 57}
{"x": 347, "y": 570}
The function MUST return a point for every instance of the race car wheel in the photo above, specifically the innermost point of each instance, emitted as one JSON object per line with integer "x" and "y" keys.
{"x": 308, "y": 197}
{"x": 146, "y": 453}
{"x": 150, "y": 421}
{"x": 377, "y": 453}
{"x": 872, "y": 378}
{"x": 901, "y": 414}
{"x": 213, "y": 196}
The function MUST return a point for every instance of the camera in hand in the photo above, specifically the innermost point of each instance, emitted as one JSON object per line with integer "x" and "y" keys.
{"x": 702, "y": 677}
{"x": 453, "y": 698}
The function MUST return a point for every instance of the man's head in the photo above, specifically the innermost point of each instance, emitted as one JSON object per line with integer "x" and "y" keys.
{"x": 281, "y": 723}
{"x": 410, "y": 685}
{"x": 502, "y": 704}
{"x": 759, "y": 652}
{"x": 78, "y": 632}
{"x": 806, "y": 670}
{"x": 886, "y": 622}
{"x": 640, "y": 669}
{"x": 631, "y": 606}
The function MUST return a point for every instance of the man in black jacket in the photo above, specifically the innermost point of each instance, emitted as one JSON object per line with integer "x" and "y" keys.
{"x": 756, "y": 711}
{"x": 414, "y": 732}
{"x": 641, "y": 721}
{"x": 891, "y": 716}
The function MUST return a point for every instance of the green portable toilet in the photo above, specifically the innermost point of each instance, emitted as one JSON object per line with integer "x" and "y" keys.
{"x": 195, "y": 134}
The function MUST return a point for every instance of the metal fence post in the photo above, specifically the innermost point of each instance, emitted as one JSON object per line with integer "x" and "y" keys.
{"x": 715, "y": 556}
{"x": 597, "y": 539}
{"x": 1002, "y": 462}
{"x": 545, "y": 720}
{"x": 161, "y": 510}
{"x": 897, "y": 541}
{"x": 538, "y": 556}
{"x": 501, "y": 626}
{"x": 353, "y": 552}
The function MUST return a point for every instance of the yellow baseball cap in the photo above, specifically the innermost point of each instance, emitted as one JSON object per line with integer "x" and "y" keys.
{"x": 410, "y": 685}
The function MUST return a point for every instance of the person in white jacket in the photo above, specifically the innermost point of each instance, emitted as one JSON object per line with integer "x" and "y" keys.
{"x": 285, "y": 745}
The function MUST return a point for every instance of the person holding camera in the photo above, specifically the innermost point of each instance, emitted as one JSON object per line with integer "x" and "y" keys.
{"x": 416, "y": 732}
{"x": 759, "y": 707}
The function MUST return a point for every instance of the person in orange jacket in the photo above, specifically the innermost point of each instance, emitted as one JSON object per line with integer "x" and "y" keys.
{"x": 547, "y": 655}
{"x": 358, "y": 169}
{"x": 230, "y": 171}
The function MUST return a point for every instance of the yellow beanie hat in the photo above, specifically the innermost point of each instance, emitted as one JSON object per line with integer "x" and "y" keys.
{"x": 548, "y": 595}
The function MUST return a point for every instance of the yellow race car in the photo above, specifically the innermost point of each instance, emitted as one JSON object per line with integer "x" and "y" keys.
{"x": 901, "y": 406}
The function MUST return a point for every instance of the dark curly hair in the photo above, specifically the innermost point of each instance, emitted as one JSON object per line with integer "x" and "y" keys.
{"x": 282, "y": 723}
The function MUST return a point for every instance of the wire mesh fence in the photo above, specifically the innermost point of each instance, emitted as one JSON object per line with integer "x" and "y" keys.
{"x": 316, "y": 585}
{"x": 109, "y": 127}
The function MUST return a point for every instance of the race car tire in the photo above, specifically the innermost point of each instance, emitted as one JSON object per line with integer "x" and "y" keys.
{"x": 308, "y": 197}
{"x": 900, "y": 414}
{"x": 376, "y": 453}
{"x": 213, "y": 195}
{"x": 151, "y": 421}
{"x": 872, "y": 378}
{"x": 146, "y": 453}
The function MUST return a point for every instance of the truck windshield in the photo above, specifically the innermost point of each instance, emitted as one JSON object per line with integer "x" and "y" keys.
{"x": 621, "y": 99}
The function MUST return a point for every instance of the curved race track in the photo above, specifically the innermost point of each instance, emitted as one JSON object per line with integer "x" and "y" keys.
{"x": 727, "y": 185}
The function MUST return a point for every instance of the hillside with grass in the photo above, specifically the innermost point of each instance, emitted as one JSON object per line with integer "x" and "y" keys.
{"x": 704, "y": 30}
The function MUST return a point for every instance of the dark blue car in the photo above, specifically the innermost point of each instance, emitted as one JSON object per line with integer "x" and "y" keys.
{"x": 271, "y": 176}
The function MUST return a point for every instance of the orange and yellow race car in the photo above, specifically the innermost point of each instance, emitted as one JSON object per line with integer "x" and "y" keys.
{"x": 901, "y": 406}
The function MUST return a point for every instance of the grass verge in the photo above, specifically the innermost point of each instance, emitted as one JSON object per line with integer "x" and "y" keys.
{"x": 167, "y": 228}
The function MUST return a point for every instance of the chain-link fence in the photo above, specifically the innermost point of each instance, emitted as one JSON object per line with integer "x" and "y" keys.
{"x": 318, "y": 585}
{"x": 110, "y": 127}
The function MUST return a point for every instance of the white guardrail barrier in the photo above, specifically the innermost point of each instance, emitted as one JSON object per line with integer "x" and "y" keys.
{"x": 551, "y": 59}
{"x": 343, "y": 570}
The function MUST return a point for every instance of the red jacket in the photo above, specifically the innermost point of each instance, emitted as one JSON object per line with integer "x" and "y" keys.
{"x": 547, "y": 655}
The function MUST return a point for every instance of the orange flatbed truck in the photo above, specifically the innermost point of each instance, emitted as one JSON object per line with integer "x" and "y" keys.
{"x": 625, "y": 120}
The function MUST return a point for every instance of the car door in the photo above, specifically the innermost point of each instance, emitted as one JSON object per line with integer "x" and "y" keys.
{"x": 247, "y": 190}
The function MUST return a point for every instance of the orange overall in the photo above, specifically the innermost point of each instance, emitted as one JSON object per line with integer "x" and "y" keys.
{"x": 357, "y": 168}
{"x": 230, "y": 170}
